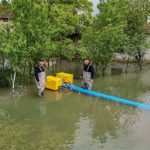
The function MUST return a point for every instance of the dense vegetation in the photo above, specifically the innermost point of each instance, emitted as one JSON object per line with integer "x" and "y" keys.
{"x": 66, "y": 30}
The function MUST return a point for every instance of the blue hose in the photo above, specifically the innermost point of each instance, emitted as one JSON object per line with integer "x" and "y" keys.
{"x": 108, "y": 97}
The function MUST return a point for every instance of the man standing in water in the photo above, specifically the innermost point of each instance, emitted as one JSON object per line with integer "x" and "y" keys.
{"x": 88, "y": 74}
{"x": 40, "y": 75}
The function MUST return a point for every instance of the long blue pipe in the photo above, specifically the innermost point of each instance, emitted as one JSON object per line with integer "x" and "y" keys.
{"x": 108, "y": 97}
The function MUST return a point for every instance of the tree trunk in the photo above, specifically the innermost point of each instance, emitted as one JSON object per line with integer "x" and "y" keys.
{"x": 139, "y": 61}
{"x": 3, "y": 59}
{"x": 30, "y": 72}
{"x": 140, "y": 65}
{"x": 127, "y": 65}
{"x": 13, "y": 79}
{"x": 52, "y": 66}
{"x": 48, "y": 63}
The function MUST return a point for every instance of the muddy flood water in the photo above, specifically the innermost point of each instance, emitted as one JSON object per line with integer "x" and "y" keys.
{"x": 65, "y": 120}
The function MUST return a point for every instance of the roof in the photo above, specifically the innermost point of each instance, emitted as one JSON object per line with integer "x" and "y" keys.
{"x": 5, "y": 13}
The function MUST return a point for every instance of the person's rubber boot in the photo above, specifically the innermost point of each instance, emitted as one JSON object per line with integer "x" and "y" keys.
{"x": 42, "y": 94}
{"x": 39, "y": 93}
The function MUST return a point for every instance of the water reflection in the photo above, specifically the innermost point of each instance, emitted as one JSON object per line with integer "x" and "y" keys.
{"x": 109, "y": 119}
{"x": 56, "y": 95}
{"x": 84, "y": 139}
{"x": 66, "y": 120}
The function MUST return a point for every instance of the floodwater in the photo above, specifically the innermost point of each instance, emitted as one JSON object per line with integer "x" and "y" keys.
{"x": 66, "y": 120}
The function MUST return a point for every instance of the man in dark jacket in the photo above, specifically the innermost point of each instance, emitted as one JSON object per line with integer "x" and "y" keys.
{"x": 40, "y": 75}
{"x": 88, "y": 74}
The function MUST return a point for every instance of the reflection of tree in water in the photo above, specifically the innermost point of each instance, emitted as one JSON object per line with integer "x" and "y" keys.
{"x": 126, "y": 86}
{"x": 109, "y": 119}
{"x": 39, "y": 125}
{"x": 8, "y": 95}
{"x": 12, "y": 132}
{"x": 31, "y": 123}
{"x": 58, "y": 129}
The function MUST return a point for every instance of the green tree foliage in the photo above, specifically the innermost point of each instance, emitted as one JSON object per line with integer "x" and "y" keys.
{"x": 136, "y": 19}
{"x": 106, "y": 36}
{"x": 65, "y": 29}
{"x": 119, "y": 27}
{"x": 27, "y": 35}
{"x": 45, "y": 24}
{"x": 43, "y": 29}
{"x": 69, "y": 20}
{"x": 31, "y": 18}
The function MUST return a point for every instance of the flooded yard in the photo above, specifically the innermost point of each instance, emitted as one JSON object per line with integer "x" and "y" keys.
{"x": 65, "y": 120}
